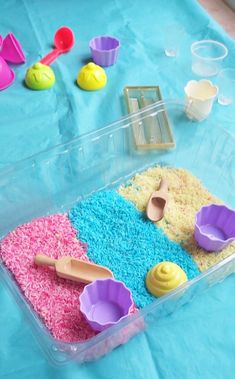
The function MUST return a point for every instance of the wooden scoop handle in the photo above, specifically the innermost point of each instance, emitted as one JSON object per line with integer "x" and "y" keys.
{"x": 163, "y": 186}
{"x": 43, "y": 260}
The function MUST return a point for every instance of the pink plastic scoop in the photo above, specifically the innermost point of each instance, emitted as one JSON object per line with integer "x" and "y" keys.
{"x": 63, "y": 41}
{"x": 157, "y": 203}
{"x": 74, "y": 269}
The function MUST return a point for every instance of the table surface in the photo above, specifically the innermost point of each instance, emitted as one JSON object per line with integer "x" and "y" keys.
{"x": 196, "y": 341}
{"x": 222, "y": 13}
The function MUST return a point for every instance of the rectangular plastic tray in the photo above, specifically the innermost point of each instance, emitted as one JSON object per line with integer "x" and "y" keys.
{"x": 155, "y": 133}
{"x": 54, "y": 180}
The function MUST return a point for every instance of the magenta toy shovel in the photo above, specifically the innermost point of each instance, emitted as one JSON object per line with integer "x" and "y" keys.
{"x": 12, "y": 50}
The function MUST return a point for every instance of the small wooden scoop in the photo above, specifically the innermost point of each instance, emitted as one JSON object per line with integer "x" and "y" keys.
{"x": 157, "y": 202}
{"x": 74, "y": 269}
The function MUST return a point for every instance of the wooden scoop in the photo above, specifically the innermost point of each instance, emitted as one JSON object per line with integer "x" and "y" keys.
{"x": 157, "y": 202}
{"x": 74, "y": 269}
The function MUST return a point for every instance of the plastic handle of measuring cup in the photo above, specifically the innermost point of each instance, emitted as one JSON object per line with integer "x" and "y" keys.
{"x": 50, "y": 57}
{"x": 189, "y": 102}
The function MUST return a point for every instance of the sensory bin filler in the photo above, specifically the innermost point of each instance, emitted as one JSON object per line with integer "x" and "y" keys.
{"x": 111, "y": 256}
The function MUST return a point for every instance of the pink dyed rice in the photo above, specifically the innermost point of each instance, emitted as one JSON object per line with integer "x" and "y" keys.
{"x": 56, "y": 300}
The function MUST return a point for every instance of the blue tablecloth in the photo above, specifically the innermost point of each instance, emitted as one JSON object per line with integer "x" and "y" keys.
{"x": 197, "y": 341}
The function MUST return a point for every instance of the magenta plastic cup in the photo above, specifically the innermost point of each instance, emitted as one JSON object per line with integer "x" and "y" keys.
{"x": 7, "y": 76}
{"x": 12, "y": 50}
{"x": 104, "y": 50}
{"x": 105, "y": 302}
{"x": 215, "y": 227}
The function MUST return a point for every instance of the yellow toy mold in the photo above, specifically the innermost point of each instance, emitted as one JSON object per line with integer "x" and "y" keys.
{"x": 40, "y": 77}
{"x": 91, "y": 77}
{"x": 164, "y": 277}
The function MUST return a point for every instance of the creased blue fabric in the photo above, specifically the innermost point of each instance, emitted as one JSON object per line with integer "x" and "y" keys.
{"x": 197, "y": 341}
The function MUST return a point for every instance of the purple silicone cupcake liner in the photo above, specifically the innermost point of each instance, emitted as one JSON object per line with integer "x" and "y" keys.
{"x": 215, "y": 227}
{"x": 105, "y": 302}
{"x": 104, "y": 50}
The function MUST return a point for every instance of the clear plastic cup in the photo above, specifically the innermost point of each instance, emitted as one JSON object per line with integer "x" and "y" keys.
{"x": 226, "y": 84}
{"x": 207, "y": 56}
{"x": 173, "y": 36}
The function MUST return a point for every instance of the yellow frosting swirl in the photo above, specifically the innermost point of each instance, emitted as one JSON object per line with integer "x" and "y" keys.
{"x": 164, "y": 277}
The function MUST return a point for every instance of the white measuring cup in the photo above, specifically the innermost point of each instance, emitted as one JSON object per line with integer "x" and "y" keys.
{"x": 200, "y": 95}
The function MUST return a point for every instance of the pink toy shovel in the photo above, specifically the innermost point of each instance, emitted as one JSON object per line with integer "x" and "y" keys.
{"x": 12, "y": 50}
{"x": 157, "y": 203}
{"x": 63, "y": 41}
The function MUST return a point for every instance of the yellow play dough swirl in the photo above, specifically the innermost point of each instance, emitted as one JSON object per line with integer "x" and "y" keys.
{"x": 164, "y": 277}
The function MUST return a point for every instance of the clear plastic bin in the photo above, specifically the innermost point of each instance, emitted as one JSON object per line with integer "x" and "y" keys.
{"x": 54, "y": 180}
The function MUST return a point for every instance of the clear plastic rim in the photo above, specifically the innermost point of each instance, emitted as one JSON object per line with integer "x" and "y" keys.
{"x": 212, "y": 42}
{"x": 179, "y": 104}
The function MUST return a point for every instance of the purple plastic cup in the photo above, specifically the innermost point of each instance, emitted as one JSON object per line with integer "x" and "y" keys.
{"x": 104, "y": 50}
{"x": 105, "y": 302}
{"x": 215, "y": 227}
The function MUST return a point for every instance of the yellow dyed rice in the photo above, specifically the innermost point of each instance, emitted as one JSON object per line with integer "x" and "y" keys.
{"x": 186, "y": 196}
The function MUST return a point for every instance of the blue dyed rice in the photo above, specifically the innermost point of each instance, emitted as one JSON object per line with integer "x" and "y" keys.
{"x": 122, "y": 239}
